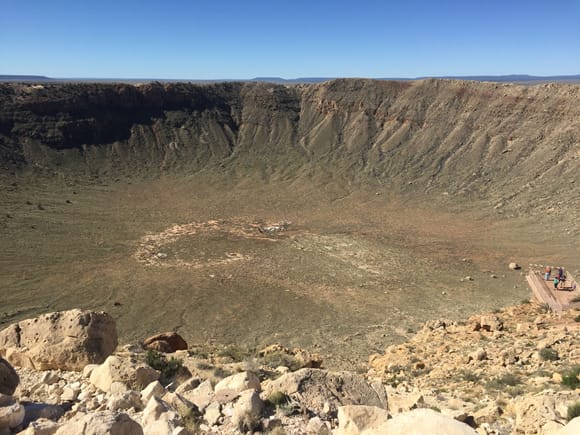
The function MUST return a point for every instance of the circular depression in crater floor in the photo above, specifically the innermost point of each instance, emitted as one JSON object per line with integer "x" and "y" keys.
{"x": 211, "y": 243}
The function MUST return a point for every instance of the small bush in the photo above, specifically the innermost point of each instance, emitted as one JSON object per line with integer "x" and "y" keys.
{"x": 234, "y": 353}
{"x": 277, "y": 399}
{"x": 573, "y": 411}
{"x": 504, "y": 381}
{"x": 570, "y": 379}
{"x": 468, "y": 376}
{"x": 221, "y": 373}
{"x": 577, "y": 318}
{"x": 277, "y": 359}
{"x": 250, "y": 423}
{"x": 548, "y": 354}
{"x": 202, "y": 365}
{"x": 168, "y": 368}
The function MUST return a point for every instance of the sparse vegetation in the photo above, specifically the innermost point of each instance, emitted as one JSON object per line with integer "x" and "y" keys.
{"x": 577, "y": 318}
{"x": 470, "y": 376}
{"x": 202, "y": 365}
{"x": 570, "y": 378}
{"x": 168, "y": 368}
{"x": 502, "y": 382}
{"x": 236, "y": 354}
{"x": 277, "y": 399}
{"x": 548, "y": 354}
{"x": 277, "y": 359}
{"x": 221, "y": 373}
{"x": 573, "y": 411}
{"x": 250, "y": 423}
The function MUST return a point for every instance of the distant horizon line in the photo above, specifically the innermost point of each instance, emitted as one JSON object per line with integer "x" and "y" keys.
{"x": 274, "y": 79}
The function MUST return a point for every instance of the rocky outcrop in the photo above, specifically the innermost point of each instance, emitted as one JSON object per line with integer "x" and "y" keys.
{"x": 322, "y": 392}
{"x": 167, "y": 342}
{"x": 67, "y": 340}
{"x": 125, "y": 370}
{"x": 101, "y": 423}
{"x": 452, "y": 390}
{"x": 508, "y": 367}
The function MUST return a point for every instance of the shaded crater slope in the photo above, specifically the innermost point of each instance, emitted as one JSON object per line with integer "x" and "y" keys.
{"x": 507, "y": 144}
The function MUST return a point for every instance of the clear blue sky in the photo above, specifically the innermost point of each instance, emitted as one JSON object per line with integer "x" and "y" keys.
{"x": 213, "y": 39}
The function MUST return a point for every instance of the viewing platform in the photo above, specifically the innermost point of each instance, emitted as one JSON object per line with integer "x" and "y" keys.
{"x": 565, "y": 297}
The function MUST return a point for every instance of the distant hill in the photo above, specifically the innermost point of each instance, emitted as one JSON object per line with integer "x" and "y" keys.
{"x": 24, "y": 78}
{"x": 511, "y": 78}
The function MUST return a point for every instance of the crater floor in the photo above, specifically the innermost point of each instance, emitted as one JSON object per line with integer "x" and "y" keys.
{"x": 343, "y": 270}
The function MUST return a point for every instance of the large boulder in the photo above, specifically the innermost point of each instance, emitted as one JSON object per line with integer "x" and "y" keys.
{"x": 66, "y": 340}
{"x": 359, "y": 419}
{"x": 424, "y": 421}
{"x": 534, "y": 412}
{"x": 134, "y": 374}
{"x": 572, "y": 428}
{"x": 11, "y": 415}
{"x": 323, "y": 392}
{"x": 167, "y": 342}
{"x": 160, "y": 418}
{"x": 8, "y": 378}
{"x": 239, "y": 382}
{"x": 101, "y": 423}
{"x": 247, "y": 408}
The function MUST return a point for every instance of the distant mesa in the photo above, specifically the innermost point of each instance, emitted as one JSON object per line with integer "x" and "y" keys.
{"x": 24, "y": 78}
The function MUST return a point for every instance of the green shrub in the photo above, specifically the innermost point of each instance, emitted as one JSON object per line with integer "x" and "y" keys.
{"x": 250, "y": 423}
{"x": 469, "y": 376}
{"x": 577, "y": 318}
{"x": 573, "y": 411}
{"x": 277, "y": 399}
{"x": 570, "y": 379}
{"x": 277, "y": 359}
{"x": 236, "y": 354}
{"x": 202, "y": 365}
{"x": 548, "y": 354}
{"x": 168, "y": 368}
{"x": 504, "y": 381}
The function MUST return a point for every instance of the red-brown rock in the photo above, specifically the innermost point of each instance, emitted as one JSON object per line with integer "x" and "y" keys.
{"x": 167, "y": 342}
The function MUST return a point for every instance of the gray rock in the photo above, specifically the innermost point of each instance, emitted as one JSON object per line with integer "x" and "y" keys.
{"x": 36, "y": 411}
{"x": 200, "y": 396}
{"x": 11, "y": 415}
{"x": 355, "y": 419}
{"x": 212, "y": 413}
{"x": 134, "y": 374}
{"x": 101, "y": 423}
{"x": 8, "y": 378}
{"x": 315, "y": 387}
{"x": 249, "y": 406}
{"x": 160, "y": 418}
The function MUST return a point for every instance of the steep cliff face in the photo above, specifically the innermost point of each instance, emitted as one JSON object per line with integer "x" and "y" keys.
{"x": 476, "y": 139}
